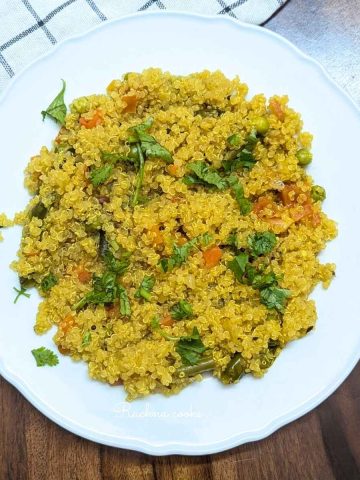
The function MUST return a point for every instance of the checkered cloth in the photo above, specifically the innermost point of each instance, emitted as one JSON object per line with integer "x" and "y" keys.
{"x": 29, "y": 28}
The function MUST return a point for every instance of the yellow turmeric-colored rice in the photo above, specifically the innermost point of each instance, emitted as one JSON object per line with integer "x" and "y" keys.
{"x": 193, "y": 118}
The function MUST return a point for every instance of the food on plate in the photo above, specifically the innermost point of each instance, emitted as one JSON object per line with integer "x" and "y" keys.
{"x": 173, "y": 230}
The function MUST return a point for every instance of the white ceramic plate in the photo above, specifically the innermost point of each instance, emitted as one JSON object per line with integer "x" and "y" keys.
{"x": 205, "y": 417}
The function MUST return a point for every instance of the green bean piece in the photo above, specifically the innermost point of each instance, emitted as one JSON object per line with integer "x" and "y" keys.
{"x": 235, "y": 369}
{"x": 266, "y": 360}
{"x": 318, "y": 193}
{"x": 204, "y": 366}
{"x": 304, "y": 157}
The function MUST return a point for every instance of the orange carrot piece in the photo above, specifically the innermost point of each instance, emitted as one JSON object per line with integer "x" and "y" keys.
{"x": 277, "y": 109}
{"x": 158, "y": 237}
{"x": 131, "y": 103}
{"x": 212, "y": 256}
{"x": 167, "y": 321}
{"x": 96, "y": 120}
{"x": 173, "y": 170}
{"x": 83, "y": 275}
{"x": 67, "y": 323}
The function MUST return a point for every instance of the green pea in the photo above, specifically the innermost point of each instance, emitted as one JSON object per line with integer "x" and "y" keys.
{"x": 262, "y": 125}
{"x": 318, "y": 193}
{"x": 304, "y": 157}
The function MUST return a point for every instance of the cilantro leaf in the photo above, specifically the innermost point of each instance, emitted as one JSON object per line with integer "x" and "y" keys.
{"x": 261, "y": 243}
{"x": 104, "y": 291}
{"x": 48, "y": 282}
{"x": 244, "y": 157}
{"x": 118, "y": 266}
{"x": 21, "y": 292}
{"x": 238, "y": 265}
{"x": 238, "y": 190}
{"x": 150, "y": 147}
{"x": 125, "y": 307}
{"x": 111, "y": 158}
{"x": 100, "y": 175}
{"x": 180, "y": 253}
{"x": 57, "y": 108}
{"x": 86, "y": 340}
{"x": 262, "y": 281}
{"x": 234, "y": 140}
{"x": 181, "y": 310}
{"x": 203, "y": 174}
{"x": 190, "y": 348}
{"x": 146, "y": 287}
{"x": 232, "y": 240}
{"x": 274, "y": 297}
{"x": 43, "y": 356}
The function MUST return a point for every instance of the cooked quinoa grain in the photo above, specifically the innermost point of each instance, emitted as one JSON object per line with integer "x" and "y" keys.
{"x": 164, "y": 248}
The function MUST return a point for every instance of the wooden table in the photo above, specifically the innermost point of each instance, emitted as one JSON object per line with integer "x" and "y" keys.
{"x": 323, "y": 445}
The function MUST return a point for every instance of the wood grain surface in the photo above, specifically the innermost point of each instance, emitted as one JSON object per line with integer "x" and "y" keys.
{"x": 323, "y": 445}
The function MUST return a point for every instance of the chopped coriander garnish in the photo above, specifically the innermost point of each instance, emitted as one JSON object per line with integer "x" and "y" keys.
{"x": 261, "y": 243}
{"x": 181, "y": 310}
{"x": 43, "y": 356}
{"x": 244, "y": 157}
{"x": 145, "y": 288}
{"x": 244, "y": 204}
{"x": 21, "y": 292}
{"x": 234, "y": 140}
{"x": 57, "y": 108}
{"x": 203, "y": 174}
{"x": 274, "y": 297}
{"x": 118, "y": 266}
{"x": 104, "y": 291}
{"x": 48, "y": 282}
{"x": 86, "y": 340}
{"x": 190, "y": 348}
{"x": 100, "y": 175}
{"x": 150, "y": 147}
{"x": 125, "y": 307}
{"x": 238, "y": 265}
{"x": 140, "y": 177}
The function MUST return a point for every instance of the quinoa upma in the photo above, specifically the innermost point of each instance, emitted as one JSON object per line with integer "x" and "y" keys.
{"x": 174, "y": 230}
